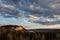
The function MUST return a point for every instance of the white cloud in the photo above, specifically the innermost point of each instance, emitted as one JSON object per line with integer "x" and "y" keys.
{"x": 54, "y": 5}
{"x": 31, "y": 7}
{"x": 33, "y": 18}
{"x": 57, "y": 17}
{"x": 7, "y": 6}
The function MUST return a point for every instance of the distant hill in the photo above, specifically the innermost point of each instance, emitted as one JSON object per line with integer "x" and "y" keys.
{"x": 12, "y": 26}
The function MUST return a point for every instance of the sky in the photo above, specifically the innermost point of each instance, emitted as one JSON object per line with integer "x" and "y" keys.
{"x": 29, "y": 12}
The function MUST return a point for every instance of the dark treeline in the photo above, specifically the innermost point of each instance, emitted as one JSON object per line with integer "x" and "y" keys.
{"x": 8, "y": 32}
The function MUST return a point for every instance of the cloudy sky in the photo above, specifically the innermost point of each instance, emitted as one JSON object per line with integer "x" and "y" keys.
{"x": 30, "y": 12}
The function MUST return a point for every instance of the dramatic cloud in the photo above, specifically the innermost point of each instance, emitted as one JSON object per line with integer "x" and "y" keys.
{"x": 34, "y": 11}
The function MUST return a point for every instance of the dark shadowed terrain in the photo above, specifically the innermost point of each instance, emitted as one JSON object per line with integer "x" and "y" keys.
{"x": 14, "y": 32}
